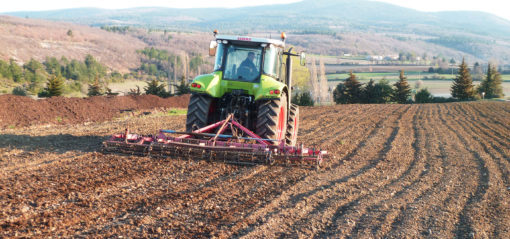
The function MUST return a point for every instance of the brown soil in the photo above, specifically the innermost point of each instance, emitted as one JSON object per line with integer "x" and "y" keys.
{"x": 23, "y": 111}
{"x": 395, "y": 171}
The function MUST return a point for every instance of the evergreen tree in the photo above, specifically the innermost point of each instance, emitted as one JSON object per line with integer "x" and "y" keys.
{"x": 402, "y": 89}
{"x": 349, "y": 92}
{"x": 339, "y": 94}
{"x": 383, "y": 91}
{"x": 492, "y": 84}
{"x": 369, "y": 93}
{"x": 55, "y": 87}
{"x": 183, "y": 88}
{"x": 95, "y": 89}
{"x": 423, "y": 96}
{"x": 154, "y": 88}
{"x": 4, "y": 70}
{"x": 462, "y": 88}
{"x": 16, "y": 71}
{"x": 52, "y": 66}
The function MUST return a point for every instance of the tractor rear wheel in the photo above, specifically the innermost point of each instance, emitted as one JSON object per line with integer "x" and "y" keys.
{"x": 293, "y": 125}
{"x": 272, "y": 119}
{"x": 198, "y": 112}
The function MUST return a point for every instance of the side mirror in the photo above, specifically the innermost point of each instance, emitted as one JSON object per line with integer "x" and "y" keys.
{"x": 212, "y": 48}
{"x": 302, "y": 59}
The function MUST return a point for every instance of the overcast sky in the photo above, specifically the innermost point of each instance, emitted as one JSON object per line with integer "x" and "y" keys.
{"x": 497, "y": 7}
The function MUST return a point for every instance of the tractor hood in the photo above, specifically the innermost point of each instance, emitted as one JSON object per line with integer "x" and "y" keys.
{"x": 213, "y": 85}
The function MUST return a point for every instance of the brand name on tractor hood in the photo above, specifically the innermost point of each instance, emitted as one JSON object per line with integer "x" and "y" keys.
{"x": 244, "y": 39}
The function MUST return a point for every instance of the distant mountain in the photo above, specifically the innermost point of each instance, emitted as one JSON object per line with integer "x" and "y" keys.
{"x": 473, "y": 33}
{"x": 316, "y": 14}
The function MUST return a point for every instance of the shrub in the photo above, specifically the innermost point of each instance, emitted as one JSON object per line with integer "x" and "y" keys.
{"x": 439, "y": 99}
{"x": 19, "y": 91}
{"x": 135, "y": 91}
{"x": 94, "y": 90}
{"x": 154, "y": 88}
{"x": 423, "y": 96}
{"x": 183, "y": 88}
{"x": 303, "y": 99}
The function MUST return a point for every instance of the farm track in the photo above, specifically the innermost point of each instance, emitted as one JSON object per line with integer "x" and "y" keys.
{"x": 434, "y": 170}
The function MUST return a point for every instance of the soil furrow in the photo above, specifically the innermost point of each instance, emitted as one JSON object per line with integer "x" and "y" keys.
{"x": 293, "y": 201}
{"x": 494, "y": 195}
{"x": 464, "y": 227}
{"x": 419, "y": 177}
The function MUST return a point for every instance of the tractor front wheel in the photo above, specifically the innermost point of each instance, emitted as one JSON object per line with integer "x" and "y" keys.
{"x": 272, "y": 119}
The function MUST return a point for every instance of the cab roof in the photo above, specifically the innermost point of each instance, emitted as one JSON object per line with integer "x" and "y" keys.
{"x": 251, "y": 39}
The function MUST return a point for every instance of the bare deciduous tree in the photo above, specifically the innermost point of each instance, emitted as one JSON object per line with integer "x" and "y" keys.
{"x": 314, "y": 83}
{"x": 323, "y": 82}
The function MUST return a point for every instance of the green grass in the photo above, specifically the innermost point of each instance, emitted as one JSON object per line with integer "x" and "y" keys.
{"x": 395, "y": 75}
{"x": 388, "y": 75}
{"x": 172, "y": 112}
{"x": 177, "y": 112}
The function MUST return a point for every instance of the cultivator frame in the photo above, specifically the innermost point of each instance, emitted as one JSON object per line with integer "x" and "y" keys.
{"x": 230, "y": 148}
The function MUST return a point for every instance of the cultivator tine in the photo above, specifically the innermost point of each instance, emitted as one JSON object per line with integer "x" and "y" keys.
{"x": 123, "y": 148}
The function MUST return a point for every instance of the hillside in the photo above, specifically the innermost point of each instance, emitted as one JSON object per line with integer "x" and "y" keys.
{"x": 22, "y": 39}
{"x": 347, "y": 26}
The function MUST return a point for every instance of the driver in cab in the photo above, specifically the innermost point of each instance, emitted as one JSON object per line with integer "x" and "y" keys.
{"x": 248, "y": 64}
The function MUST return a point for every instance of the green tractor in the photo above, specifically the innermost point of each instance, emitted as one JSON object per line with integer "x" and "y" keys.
{"x": 251, "y": 81}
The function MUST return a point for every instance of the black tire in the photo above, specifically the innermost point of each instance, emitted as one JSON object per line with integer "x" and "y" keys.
{"x": 268, "y": 119}
{"x": 292, "y": 125}
{"x": 198, "y": 112}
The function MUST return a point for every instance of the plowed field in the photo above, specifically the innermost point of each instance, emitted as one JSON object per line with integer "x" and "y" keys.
{"x": 395, "y": 171}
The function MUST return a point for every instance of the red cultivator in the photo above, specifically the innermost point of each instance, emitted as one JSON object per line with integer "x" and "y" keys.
{"x": 242, "y": 146}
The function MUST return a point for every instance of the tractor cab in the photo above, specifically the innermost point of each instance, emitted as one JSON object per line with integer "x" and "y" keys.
{"x": 246, "y": 59}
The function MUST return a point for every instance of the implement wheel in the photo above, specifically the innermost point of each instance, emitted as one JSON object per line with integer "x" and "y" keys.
{"x": 198, "y": 112}
{"x": 272, "y": 119}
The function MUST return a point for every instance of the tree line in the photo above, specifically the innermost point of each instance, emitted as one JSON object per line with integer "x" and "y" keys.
{"x": 352, "y": 91}
{"x": 33, "y": 76}
{"x": 54, "y": 77}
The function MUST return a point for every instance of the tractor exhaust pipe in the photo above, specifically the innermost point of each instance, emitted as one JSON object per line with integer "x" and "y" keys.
{"x": 288, "y": 79}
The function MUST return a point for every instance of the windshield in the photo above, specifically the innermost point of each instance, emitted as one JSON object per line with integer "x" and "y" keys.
{"x": 243, "y": 63}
